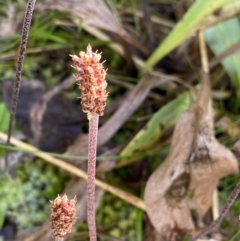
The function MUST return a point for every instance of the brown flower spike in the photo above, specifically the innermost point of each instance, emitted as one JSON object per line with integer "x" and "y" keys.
{"x": 63, "y": 216}
{"x": 91, "y": 78}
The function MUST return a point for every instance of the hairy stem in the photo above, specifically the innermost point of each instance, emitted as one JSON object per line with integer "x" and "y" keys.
{"x": 59, "y": 239}
{"x": 92, "y": 149}
{"x": 17, "y": 82}
{"x": 227, "y": 206}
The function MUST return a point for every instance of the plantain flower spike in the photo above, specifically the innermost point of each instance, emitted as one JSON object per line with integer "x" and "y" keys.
{"x": 91, "y": 79}
{"x": 63, "y": 216}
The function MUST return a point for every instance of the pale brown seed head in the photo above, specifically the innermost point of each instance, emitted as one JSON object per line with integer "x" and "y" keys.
{"x": 63, "y": 215}
{"x": 91, "y": 79}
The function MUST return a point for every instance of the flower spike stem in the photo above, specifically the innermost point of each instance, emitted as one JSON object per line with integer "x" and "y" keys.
{"x": 17, "y": 82}
{"x": 91, "y": 80}
{"x": 92, "y": 149}
{"x": 59, "y": 239}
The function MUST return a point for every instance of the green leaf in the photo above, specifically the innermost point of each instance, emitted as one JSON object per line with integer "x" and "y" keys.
{"x": 150, "y": 134}
{"x": 195, "y": 14}
{"x": 41, "y": 34}
{"x": 219, "y": 38}
{"x": 4, "y": 117}
{"x": 2, "y": 214}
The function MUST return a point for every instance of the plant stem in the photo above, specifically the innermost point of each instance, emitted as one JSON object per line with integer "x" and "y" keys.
{"x": 92, "y": 149}
{"x": 223, "y": 213}
{"x": 59, "y": 239}
{"x": 17, "y": 82}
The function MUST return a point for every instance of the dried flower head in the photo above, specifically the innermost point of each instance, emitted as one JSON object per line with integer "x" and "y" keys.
{"x": 63, "y": 215}
{"x": 91, "y": 79}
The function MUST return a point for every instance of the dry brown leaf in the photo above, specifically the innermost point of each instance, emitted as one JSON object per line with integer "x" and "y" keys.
{"x": 236, "y": 149}
{"x": 167, "y": 187}
{"x": 95, "y": 13}
{"x": 179, "y": 193}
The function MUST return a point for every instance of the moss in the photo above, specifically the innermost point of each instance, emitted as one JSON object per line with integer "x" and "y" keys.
{"x": 25, "y": 201}
{"x": 117, "y": 218}
{"x": 115, "y": 233}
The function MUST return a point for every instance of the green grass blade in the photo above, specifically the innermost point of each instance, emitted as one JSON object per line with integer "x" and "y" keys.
{"x": 4, "y": 117}
{"x": 220, "y": 38}
{"x": 150, "y": 134}
{"x": 197, "y": 12}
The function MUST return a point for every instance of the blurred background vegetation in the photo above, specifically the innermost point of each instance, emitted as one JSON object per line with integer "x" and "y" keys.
{"x": 135, "y": 37}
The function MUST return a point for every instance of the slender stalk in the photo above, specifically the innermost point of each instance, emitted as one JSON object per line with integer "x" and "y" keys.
{"x": 91, "y": 77}
{"x": 17, "y": 82}
{"x": 59, "y": 239}
{"x": 92, "y": 150}
{"x": 223, "y": 213}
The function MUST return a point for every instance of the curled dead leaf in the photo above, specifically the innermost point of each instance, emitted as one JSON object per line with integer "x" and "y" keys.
{"x": 179, "y": 193}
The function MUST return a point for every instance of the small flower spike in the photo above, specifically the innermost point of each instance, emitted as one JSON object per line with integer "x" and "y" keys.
{"x": 91, "y": 79}
{"x": 63, "y": 216}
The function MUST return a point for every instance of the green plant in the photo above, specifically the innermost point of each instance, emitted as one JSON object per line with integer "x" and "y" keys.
{"x": 25, "y": 201}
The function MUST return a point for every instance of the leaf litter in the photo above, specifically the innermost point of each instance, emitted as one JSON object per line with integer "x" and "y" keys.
{"x": 179, "y": 193}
